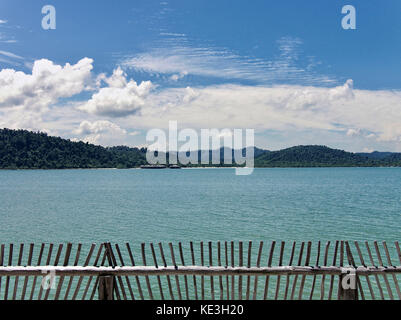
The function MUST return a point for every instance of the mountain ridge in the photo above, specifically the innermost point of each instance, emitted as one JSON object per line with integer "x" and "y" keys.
{"x": 23, "y": 149}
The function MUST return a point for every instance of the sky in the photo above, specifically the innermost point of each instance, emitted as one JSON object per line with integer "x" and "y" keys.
{"x": 110, "y": 71}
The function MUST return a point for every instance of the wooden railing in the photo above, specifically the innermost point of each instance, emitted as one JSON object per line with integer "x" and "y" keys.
{"x": 220, "y": 270}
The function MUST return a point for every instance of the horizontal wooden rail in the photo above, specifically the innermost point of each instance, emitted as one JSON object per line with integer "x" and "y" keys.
{"x": 194, "y": 270}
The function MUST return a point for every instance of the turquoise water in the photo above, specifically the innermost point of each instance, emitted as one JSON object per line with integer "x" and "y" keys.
{"x": 200, "y": 204}
{"x": 137, "y": 206}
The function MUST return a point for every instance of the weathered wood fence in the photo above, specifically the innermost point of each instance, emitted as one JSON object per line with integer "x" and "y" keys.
{"x": 206, "y": 270}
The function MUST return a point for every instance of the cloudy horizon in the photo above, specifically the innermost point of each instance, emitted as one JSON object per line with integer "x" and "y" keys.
{"x": 288, "y": 86}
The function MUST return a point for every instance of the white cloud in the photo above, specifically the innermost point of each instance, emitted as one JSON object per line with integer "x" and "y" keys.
{"x": 367, "y": 150}
{"x": 101, "y": 132}
{"x": 176, "y": 56}
{"x": 341, "y": 110}
{"x": 10, "y": 55}
{"x": 46, "y": 85}
{"x": 119, "y": 98}
{"x": 10, "y": 58}
{"x": 358, "y": 118}
{"x": 3, "y": 21}
{"x": 353, "y": 132}
{"x": 190, "y": 94}
{"x": 343, "y": 92}
{"x": 176, "y": 77}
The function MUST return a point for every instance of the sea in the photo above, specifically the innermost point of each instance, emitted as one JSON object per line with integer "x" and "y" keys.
{"x": 220, "y": 215}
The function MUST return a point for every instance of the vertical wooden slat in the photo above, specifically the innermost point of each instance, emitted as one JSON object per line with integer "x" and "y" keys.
{"x": 10, "y": 263}
{"x": 294, "y": 284}
{"x": 232, "y": 277}
{"x": 170, "y": 287}
{"x": 255, "y": 287}
{"x": 95, "y": 263}
{"x": 211, "y": 264}
{"x": 333, "y": 264}
{"x": 351, "y": 261}
{"x": 106, "y": 287}
{"x": 341, "y": 265}
{"x": 397, "y": 287}
{"x": 31, "y": 246}
{"x": 219, "y": 264}
{"x": 157, "y": 266}
{"x": 191, "y": 245}
{"x": 287, "y": 280}
{"x": 240, "y": 253}
{"x": 185, "y": 277}
{"x": 316, "y": 265}
{"x": 131, "y": 257}
{"x": 177, "y": 280}
{"x": 269, "y": 264}
{"x": 390, "y": 263}
{"x": 202, "y": 277}
{"x": 120, "y": 257}
{"x": 372, "y": 294}
{"x": 326, "y": 256}
{"x": 227, "y": 264}
{"x": 97, "y": 284}
{"x": 376, "y": 276}
{"x": 101, "y": 282}
{"x": 248, "y": 282}
{"x": 397, "y": 246}
{"x": 1, "y": 262}
{"x": 42, "y": 247}
{"x": 77, "y": 254}
{"x": 86, "y": 263}
{"x": 113, "y": 262}
{"x": 390, "y": 292}
{"x": 56, "y": 261}
{"x": 144, "y": 263}
{"x": 21, "y": 252}
{"x": 66, "y": 260}
{"x": 308, "y": 252}
{"x": 280, "y": 263}
{"x": 97, "y": 258}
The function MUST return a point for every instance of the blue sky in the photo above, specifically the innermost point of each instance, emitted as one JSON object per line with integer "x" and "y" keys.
{"x": 301, "y": 78}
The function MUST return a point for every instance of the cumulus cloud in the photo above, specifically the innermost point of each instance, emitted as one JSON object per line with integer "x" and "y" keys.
{"x": 342, "y": 92}
{"x": 101, "y": 132}
{"x": 342, "y": 114}
{"x": 190, "y": 95}
{"x": 342, "y": 109}
{"x": 312, "y": 97}
{"x": 46, "y": 85}
{"x": 119, "y": 98}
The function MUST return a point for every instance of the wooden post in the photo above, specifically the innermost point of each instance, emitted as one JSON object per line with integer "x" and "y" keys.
{"x": 347, "y": 287}
{"x": 106, "y": 287}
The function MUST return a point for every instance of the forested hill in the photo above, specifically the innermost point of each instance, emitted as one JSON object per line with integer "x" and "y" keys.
{"x": 315, "y": 156}
{"x": 25, "y": 149}
{"x": 21, "y": 149}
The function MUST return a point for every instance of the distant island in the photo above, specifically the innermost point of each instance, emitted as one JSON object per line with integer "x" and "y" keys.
{"x": 22, "y": 149}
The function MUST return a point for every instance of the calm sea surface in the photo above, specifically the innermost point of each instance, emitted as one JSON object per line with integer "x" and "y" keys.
{"x": 200, "y": 204}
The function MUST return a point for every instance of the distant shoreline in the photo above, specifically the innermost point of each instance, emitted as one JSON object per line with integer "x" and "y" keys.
{"x": 22, "y": 149}
{"x": 193, "y": 168}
